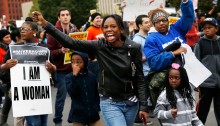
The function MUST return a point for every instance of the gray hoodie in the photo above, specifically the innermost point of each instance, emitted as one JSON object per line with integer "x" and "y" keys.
{"x": 207, "y": 52}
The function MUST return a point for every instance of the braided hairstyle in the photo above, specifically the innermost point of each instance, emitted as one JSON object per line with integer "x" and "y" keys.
{"x": 184, "y": 89}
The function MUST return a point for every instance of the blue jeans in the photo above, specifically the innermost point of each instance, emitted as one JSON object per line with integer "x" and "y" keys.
{"x": 37, "y": 120}
{"x": 60, "y": 97}
{"x": 118, "y": 113}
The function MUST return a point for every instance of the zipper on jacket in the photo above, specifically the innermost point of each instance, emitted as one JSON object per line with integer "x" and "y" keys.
{"x": 129, "y": 53}
{"x": 130, "y": 84}
{"x": 103, "y": 78}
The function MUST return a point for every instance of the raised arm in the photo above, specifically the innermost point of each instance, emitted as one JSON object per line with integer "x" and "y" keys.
{"x": 185, "y": 22}
{"x": 65, "y": 40}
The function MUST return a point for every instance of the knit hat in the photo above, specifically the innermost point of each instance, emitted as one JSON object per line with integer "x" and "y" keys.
{"x": 93, "y": 16}
{"x": 154, "y": 14}
{"x": 211, "y": 21}
{"x": 3, "y": 33}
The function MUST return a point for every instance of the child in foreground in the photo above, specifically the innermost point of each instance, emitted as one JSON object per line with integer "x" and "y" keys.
{"x": 83, "y": 90}
{"x": 175, "y": 104}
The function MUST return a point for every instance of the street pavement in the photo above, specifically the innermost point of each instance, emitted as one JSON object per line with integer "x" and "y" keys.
{"x": 210, "y": 120}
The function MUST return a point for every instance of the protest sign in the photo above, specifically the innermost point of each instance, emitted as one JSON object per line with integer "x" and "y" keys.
{"x": 137, "y": 7}
{"x": 196, "y": 71}
{"x": 78, "y": 36}
{"x": 118, "y": 9}
{"x": 30, "y": 82}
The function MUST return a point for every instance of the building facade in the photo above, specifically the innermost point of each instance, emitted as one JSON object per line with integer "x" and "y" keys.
{"x": 106, "y": 7}
{"x": 11, "y": 9}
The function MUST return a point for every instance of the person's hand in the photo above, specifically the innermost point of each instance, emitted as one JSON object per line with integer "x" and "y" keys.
{"x": 64, "y": 50}
{"x": 143, "y": 116}
{"x": 197, "y": 89}
{"x": 38, "y": 18}
{"x": 76, "y": 69}
{"x": 131, "y": 27}
{"x": 50, "y": 67}
{"x": 174, "y": 112}
{"x": 123, "y": 5}
{"x": 179, "y": 51}
{"x": 9, "y": 64}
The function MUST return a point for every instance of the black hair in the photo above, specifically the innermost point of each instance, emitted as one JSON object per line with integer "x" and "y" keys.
{"x": 184, "y": 88}
{"x": 119, "y": 22}
{"x": 29, "y": 19}
{"x": 15, "y": 33}
{"x": 32, "y": 24}
{"x": 139, "y": 20}
{"x": 202, "y": 15}
{"x": 62, "y": 9}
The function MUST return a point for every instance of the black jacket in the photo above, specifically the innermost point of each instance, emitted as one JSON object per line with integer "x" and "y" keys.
{"x": 207, "y": 51}
{"x": 83, "y": 90}
{"x": 115, "y": 76}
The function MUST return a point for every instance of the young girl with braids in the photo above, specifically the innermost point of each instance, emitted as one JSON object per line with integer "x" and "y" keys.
{"x": 175, "y": 104}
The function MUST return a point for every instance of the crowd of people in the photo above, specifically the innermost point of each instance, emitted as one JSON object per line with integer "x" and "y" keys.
{"x": 126, "y": 75}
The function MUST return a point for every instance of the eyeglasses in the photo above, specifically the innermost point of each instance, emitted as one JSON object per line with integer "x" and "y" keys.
{"x": 164, "y": 20}
{"x": 25, "y": 29}
{"x": 176, "y": 78}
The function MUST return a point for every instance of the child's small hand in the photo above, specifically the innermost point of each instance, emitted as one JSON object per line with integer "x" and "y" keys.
{"x": 174, "y": 112}
{"x": 76, "y": 69}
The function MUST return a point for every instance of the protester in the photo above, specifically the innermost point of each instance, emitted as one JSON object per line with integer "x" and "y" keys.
{"x": 28, "y": 32}
{"x": 94, "y": 33}
{"x": 58, "y": 53}
{"x": 193, "y": 34}
{"x": 143, "y": 24}
{"x": 207, "y": 50}
{"x": 121, "y": 82}
{"x": 155, "y": 49}
{"x": 5, "y": 40}
{"x": 15, "y": 36}
{"x": 82, "y": 87}
{"x": 175, "y": 103}
{"x": 165, "y": 35}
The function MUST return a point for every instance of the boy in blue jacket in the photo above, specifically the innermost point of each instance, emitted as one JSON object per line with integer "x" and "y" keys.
{"x": 83, "y": 90}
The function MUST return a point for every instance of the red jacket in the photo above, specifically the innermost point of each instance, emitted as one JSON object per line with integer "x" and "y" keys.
{"x": 192, "y": 37}
{"x": 55, "y": 49}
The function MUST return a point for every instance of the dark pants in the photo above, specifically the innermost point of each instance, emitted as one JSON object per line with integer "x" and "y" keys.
{"x": 6, "y": 105}
{"x": 138, "y": 120}
{"x": 60, "y": 97}
{"x": 207, "y": 94}
{"x": 37, "y": 120}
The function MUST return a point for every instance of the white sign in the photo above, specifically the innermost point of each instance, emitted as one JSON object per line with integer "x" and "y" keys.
{"x": 137, "y": 7}
{"x": 196, "y": 71}
{"x": 30, "y": 82}
{"x": 31, "y": 91}
{"x": 19, "y": 23}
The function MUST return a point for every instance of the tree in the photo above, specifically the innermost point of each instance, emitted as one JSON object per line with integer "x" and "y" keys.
{"x": 204, "y": 5}
{"x": 35, "y": 7}
{"x": 80, "y": 9}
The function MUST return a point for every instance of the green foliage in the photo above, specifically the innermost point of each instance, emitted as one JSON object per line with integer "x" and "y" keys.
{"x": 80, "y": 9}
{"x": 35, "y": 7}
{"x": 204, "y": 5}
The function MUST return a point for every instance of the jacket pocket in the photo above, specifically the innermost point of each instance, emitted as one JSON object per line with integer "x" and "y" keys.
{"x": 129, "y": 86}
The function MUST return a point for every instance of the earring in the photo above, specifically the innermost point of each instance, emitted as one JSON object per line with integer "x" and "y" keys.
{"x": 34, "y": 35}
